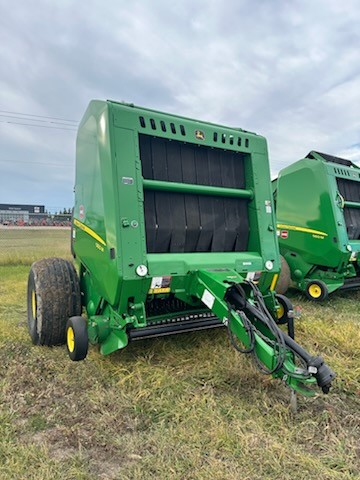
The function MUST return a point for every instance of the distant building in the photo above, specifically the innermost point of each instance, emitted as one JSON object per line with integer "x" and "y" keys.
{"x": 32, "y": 216}
{"x": 19, "y": 213}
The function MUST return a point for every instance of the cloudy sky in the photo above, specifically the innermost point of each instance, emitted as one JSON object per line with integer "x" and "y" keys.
{"x": 289, "y": 70}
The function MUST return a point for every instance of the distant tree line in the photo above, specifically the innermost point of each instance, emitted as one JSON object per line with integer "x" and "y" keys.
{"x": 64, "y": 211}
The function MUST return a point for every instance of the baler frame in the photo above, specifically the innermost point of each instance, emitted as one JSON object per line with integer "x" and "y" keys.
{"x": 173, "y": 219}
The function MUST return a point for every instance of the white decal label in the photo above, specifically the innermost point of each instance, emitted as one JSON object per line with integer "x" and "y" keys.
{"x": 156, "y": 282}
{"x": 160, "y": 285}
{"x": 250, "y": 276}
{"x": 268, "y": 206}
{"x": 208, "y": 299}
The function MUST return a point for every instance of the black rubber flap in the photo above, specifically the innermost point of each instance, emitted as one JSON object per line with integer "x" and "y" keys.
{"x": 350, "y": 190}
{"x": 179, "y": 223}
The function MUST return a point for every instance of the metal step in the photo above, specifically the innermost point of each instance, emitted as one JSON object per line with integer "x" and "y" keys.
{"x": 173, "y": 328}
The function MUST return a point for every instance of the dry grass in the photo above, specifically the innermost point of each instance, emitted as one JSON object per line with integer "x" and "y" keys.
{"x": 186, "y": 407}
{"x": 22, "y": 246}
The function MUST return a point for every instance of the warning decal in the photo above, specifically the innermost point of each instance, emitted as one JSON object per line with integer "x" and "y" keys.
{"x": 160, "y": 285}
{"x": 208, "y": 298}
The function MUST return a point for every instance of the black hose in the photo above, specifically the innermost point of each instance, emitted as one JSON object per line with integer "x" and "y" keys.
{"x": 249, "y": 329}
{"x": 291, "y": 327}
{"x": 323, "y": 374}
{"x": 236, "y": 297}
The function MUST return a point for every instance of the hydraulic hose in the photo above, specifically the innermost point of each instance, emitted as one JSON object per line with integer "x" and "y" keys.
{"x": 316, "y": 365}
{"x": 237, "y": 300}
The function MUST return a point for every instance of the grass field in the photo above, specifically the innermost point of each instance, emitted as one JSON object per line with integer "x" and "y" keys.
{"x": 185, "y": 407}
{"x": 22, "y": 246}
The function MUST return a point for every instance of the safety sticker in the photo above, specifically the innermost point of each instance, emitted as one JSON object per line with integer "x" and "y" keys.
{"x": 208, "y": 298}
{"x": 250, "y": 276}
{"x": 160, "y": 285}
{"x": 284, "y": 234}
{"x": 268, "y": 206}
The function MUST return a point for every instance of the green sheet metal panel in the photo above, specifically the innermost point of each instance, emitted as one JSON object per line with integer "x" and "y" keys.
{"x": 110, "y": 190}
{"x": 313, "y": 226}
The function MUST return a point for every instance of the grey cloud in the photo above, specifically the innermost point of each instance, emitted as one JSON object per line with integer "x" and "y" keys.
{"x": 288, "y": 70}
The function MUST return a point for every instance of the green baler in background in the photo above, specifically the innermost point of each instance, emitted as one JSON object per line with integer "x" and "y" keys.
{"x": 173, "y": 222}
{"x": 318, "y": 223}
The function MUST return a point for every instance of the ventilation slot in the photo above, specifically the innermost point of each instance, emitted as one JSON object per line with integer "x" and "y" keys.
{"x": 246, "y": 142}
{"x": 239, "y": 142}
{"x": 163, "y": 126}
{"x": 152, "y": 123}
{"x": 182, "y": 130}
{"x": 341, "y": 171}
{"x": 173, "y": 129}
{"x": 215, "y": 137}
{"x": 142, "y": 122}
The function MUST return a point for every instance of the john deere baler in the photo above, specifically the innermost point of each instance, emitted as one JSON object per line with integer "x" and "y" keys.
{"x": 173, "y": 227}
{"x": 318, "y": 223}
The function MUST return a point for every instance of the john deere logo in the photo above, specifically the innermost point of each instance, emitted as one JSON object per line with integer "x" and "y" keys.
{"x": 199, "y": 134}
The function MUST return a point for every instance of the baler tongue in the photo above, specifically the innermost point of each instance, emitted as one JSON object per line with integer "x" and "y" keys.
{"x": 242, "y": 308}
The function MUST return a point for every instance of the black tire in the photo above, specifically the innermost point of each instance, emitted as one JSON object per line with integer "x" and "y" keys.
{"x": 53, "y": 296}
{"x": 285, "y": 307}
{"x": 284, "y": 278}
{"x": 316, "y": 290}
{"x": 77, "y": 340}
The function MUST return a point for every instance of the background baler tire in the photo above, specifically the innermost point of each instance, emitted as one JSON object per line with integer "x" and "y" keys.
{"x": 316, "y": 291}
{"x": 285, "y": 277}
{"x": 53, "y": 297}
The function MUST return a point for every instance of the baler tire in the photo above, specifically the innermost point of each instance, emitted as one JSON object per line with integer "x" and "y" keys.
{"x": 53, "y": 296}
{"x": 285, "y": 307}
{"x": 77, "y": 340}
{"x": 316, "y": 290}
{"x": 284, "y": 278}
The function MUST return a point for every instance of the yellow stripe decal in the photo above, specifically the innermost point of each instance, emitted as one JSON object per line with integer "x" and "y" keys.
{"x": 273, "y": 282}
{"x": 88, "y": 230}
{"x": 301, "y": 229}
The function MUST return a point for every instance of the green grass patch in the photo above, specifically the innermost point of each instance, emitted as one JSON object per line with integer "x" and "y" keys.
{"x": 183, "y": 407}
{"x": 23, "y": 246}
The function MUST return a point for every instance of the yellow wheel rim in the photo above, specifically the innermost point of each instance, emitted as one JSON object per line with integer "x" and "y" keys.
{"x": 280, "y": 311}
{"x": 314, "y": 291}
{"x": 70, "y": 339}
{"x": 33, "y": 303}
